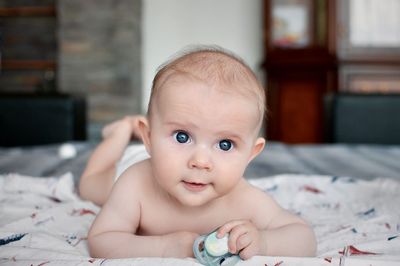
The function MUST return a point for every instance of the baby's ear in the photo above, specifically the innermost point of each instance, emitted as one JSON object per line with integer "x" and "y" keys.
{"x": 144, "y": 130}
{"x": 257, "y": 148}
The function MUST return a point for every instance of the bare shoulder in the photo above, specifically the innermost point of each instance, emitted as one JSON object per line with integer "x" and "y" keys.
{"x": 265, "y": 211}
{"x": 134, "y": 177}
{"x": 254, "y": 196}
{"x": 122, "y": 212}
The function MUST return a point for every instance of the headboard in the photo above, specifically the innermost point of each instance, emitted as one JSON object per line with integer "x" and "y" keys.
{"x": 362, "y": 118}
{"x": 41, "y": 119}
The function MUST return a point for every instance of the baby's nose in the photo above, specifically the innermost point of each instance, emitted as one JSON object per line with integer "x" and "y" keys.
{"x": 201, "y": 160}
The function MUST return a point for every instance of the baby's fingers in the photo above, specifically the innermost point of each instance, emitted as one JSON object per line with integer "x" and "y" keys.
{"x": 226, "y": 228}
{"x": 242, "y": 242}
{"x": 247, "y": 253}
{"x": 237, "y": 238}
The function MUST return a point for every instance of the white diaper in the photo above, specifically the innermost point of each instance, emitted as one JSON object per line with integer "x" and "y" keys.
{"x": 133, "y": 154}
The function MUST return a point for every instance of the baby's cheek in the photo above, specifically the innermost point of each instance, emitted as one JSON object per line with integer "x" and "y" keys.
{"x": 229, "y": 176}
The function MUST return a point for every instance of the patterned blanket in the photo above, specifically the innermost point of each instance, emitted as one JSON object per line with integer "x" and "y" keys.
{"x": 357, "y": 222}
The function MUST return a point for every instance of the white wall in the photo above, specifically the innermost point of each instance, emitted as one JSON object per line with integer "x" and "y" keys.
{"x": 169, "y": 25}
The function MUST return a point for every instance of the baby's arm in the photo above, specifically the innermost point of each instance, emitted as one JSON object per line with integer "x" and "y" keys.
{"x": 272, "y": 232}
{"x": 113, "y": 233}
{"x": 289, "y": 235}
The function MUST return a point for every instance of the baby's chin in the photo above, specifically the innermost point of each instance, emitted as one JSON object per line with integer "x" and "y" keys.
{"x": 196, "y": 199}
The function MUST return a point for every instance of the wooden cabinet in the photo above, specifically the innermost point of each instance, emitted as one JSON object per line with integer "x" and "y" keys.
{"x": 300, "y": 64}
{"x": 315, "y": 47}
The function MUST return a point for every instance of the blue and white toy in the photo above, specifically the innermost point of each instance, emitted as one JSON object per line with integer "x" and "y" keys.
{"x": 213, "y": 251}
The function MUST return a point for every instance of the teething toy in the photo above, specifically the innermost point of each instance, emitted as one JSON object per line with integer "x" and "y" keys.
{"x": 213, "y": 251}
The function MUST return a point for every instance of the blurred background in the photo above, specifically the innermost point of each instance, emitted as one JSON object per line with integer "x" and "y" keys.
{"x": 69, "y": 66}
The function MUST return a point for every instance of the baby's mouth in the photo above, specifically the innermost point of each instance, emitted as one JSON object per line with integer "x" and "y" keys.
{"x": 194, "y": 186}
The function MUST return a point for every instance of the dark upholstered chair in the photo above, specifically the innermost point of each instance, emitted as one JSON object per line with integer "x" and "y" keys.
{"x": 41, "y": 119}
{"x": 363, "y": 118}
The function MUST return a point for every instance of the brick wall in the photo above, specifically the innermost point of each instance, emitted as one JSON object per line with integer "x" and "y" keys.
{"x": 90, "y": 47}
{"x": 28, "y": 45}
{"x": 100, "y": 56}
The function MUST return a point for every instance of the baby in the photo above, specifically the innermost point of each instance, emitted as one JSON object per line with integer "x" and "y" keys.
{"x": 201, "y": 131}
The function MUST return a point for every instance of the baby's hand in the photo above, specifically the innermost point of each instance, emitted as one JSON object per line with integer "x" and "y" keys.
{"x": 244, "y": 238}
{"x": 179, "y": 244}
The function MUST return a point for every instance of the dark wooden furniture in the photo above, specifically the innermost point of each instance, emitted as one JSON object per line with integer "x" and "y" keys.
{"x": 299, "y": 74}
{"x": 315, "y": 47}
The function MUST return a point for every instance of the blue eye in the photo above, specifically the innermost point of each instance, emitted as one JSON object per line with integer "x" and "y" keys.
{"x": 181, "y": 137}
{"x": 225, "y": 145}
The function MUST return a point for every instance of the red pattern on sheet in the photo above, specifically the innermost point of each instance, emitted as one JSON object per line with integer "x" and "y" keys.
{"x": 354, "y": 251}
{"x": 80, "y": 212}
{"x": 312, "y": 189}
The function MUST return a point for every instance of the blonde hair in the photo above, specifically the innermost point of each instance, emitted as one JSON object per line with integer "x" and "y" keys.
{"x": 211, "y": 64}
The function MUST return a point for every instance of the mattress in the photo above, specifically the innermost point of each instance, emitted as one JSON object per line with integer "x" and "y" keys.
{"x": 348, "y": 193}
{"x": 357, "y": 222}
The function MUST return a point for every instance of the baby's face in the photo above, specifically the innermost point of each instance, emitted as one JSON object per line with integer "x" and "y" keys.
{"x": 202, "y": 139}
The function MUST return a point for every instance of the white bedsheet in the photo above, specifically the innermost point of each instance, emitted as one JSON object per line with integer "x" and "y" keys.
{"x": 43, "y": 222}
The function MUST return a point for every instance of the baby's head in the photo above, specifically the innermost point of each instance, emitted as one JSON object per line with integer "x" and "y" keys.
{"x": 214, "y": 66}
{"x": 204, "y": 115}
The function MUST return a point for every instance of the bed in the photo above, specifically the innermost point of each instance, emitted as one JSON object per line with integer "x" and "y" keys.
{"x": 348, "y": 193}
